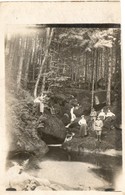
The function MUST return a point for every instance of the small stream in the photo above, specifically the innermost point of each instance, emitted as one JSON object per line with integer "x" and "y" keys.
{"x": 103, "y": 166}
{"x": 107, "y": 167}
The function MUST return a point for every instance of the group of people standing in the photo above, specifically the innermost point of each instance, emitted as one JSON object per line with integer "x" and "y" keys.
{"x": 97, "y": 122}
{"x": 97, "y": 119}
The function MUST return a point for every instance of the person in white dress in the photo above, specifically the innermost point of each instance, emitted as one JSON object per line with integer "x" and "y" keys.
{"x": 41, "y": 101}
{"x": 83, "y": 126}
{"x": 73, "y": 116}
{"x": 109, "y": 114}
{"x": 102, "y": 115}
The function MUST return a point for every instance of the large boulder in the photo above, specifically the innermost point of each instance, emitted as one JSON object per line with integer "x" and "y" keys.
{"x": 22, "y": 181}
{"x": 26, "y": 142}
{"x": 51, "y": 129}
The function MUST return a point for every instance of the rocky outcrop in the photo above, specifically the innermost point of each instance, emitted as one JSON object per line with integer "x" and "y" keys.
{"x": 26, "y": 182}
{"x": 26, "y": 143}
{"x": 21, "y": 130}
{"x": 51, "y": 187}
{"x": 51, "y": 129}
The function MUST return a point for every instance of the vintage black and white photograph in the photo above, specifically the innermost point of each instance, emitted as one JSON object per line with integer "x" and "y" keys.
{"x": 63, "y": 107}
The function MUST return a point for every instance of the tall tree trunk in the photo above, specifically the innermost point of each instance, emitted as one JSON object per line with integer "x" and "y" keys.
{"x": 117, "y": 56}
{"x": 93, "y": 80}
{"x": 86, "y": 68}
{"x": 99, "y": 56}
{"x": 33, "y": 75}
{"x": 83, "y": 66}
{"x": 33, "y": 51}
{"x": 43, "y": 83}
{"x": 19, "y": 74}
{"x": 101, "y": 63}
{"x": 96, "y": 69}
{"x": 26, "y": 72}
{"x": 108, "y": 97}
{"x": 106, "y": 65}
{"x": 72, "y": 65}
{"x": 91, "y": 68}
{"x": 78, "y": 72}
{"x": 28, "y": 57}
{"x": 11, "y": 53}
{"x": 43, "y": 61}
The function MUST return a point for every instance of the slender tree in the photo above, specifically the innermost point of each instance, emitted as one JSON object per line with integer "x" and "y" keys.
{"x": 48, "y": 41}
{"x": 43, "y": 83}
{"x": 93, "y": 80}
{"x": 86, "y": 67}
{"x": 21, "y": 59}
{"x": 96, "y": 69}
{"x": 27, "y": 63}
{"x": 108, "y": 97}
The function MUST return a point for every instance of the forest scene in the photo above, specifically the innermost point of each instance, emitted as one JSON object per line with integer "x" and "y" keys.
{"x": 61, "y": 82}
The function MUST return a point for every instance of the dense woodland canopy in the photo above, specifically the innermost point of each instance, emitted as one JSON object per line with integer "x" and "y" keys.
{"x": 41, "y": 58}
{"x": 60, "y": 60}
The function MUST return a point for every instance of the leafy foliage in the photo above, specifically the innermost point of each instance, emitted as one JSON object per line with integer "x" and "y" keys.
{"x": 21, "y": 125}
